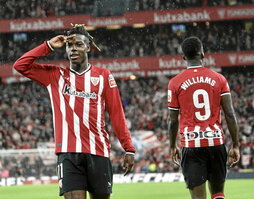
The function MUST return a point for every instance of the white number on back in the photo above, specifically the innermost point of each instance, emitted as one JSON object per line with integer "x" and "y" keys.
{"x": 204, "y": 105}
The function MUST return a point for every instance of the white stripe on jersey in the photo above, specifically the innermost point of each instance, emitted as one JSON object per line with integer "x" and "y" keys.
{"x": 210, "y": 140}
{"x": 52, "y": 105}
{"x": 228, "y": 93}
{"x": 185, "y": 137}
{"x": 87, "y": 111}
{"x": 92, "y": 142}
{"x": 197, "y": 141}
{"x": 86, "y": 100}
{"x": 220, "y": 133}
{"x": 63, "y": 111}
{"x": 99, "y": 117}
{"x": 75, "y": 117}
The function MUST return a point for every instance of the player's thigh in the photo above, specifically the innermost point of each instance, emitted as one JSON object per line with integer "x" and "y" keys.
{"x": 99, "y": 175}
{"x": 80, "y": 194}
{"x": 198, "y": 192}
{"x": 194, "y": 166}
{"x": 71, "y": 173}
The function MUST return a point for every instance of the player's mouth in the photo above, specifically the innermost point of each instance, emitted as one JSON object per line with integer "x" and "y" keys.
{"x": 74, "y": 56}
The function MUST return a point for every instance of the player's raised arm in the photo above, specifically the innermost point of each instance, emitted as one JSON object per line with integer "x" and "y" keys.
{"x": 27, "y": 66}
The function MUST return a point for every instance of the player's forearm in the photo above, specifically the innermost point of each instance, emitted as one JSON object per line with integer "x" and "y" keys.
{"x": 172, "y": 131}
{"x": 122, "y": 132}
{"x": 233, "y": 128}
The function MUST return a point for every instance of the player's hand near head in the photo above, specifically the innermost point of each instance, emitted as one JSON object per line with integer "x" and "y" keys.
{"x": 175, "y": 154}
{"x": 233, "y": 156}
{"x": 128, "y": 162}
{"x": 60, "y": 40}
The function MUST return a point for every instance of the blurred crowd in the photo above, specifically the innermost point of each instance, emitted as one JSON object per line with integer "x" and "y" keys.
{"x": 25, "y": 119}
{"x": 153, "y": 40}
{"x": 13, "y": 9}
{"x": 25, "y": 112}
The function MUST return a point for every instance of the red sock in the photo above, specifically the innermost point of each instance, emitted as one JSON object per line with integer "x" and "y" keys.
{"x": 218, "y": 196}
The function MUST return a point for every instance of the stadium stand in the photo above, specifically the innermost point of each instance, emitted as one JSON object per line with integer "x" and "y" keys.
{"x": 25, "y": 113}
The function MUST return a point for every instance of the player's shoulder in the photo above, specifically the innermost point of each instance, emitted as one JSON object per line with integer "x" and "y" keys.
{"x": 179, "y": 76}
{"x": 101, "y": 71}
{"x": 216, "y": 74}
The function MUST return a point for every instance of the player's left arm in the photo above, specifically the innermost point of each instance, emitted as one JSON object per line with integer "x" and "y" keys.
{"x": 173, "y": 121}
{"x": 173, "y": 125}
{"x": 117, "y": 117}
{"x": 228, "y": 109}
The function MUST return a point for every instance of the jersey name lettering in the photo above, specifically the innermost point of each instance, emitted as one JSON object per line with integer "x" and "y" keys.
{"x": 198, "y": 79}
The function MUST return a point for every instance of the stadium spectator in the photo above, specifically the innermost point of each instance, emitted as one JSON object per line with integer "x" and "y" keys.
{"x": 81, "y": 142}
{"x": 203, "y": 157}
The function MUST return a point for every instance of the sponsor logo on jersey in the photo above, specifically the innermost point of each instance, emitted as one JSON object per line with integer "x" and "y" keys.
{"x": 69, "y": 91}
{"x": 111, "y": 81}
{"x": 203, "y": 134}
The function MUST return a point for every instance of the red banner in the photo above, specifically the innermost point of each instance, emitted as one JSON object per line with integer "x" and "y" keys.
{"x": 149, "y": 66}
{"x": 130, "y": 18}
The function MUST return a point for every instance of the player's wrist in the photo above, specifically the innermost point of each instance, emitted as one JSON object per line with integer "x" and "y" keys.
{"x": 50, "y": 46}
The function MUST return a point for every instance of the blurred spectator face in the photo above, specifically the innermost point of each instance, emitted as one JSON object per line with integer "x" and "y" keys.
{"x": 77, "y": 49}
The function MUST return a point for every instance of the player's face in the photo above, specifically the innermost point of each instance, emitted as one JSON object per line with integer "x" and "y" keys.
{"x": 77, "y": 49}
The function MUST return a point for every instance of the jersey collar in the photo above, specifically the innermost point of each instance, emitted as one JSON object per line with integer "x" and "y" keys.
{"x": 198, "y": 66}
{"x": 88, "y": 68}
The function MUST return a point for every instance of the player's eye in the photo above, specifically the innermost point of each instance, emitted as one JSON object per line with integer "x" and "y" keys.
{"x": 69, "y": 44}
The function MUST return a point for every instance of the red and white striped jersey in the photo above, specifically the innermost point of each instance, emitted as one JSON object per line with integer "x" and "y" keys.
{"x": 78, "y": 104}
{"x": 196, "y": 93}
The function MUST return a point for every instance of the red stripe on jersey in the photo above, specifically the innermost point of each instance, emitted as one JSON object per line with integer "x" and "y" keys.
{"x": 57, "y": 118}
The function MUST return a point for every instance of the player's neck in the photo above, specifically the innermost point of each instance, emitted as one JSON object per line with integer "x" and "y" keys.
{"x": 80, "y": 68}
{"x": 193, "y": 63}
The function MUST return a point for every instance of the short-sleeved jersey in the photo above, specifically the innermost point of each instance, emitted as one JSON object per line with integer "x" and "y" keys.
{"x": 78, "y": 104}
{"x": 196, "y": 93}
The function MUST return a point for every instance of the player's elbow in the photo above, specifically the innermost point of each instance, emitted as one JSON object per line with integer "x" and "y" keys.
{"x": 18, "y": 66}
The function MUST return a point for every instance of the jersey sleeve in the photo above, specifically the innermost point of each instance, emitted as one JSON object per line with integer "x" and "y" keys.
{"x": 116, "y": 113}
{"x": 27, "y": 66}
{"x": 172, "y": 96}
{"x": 225, "y": 90}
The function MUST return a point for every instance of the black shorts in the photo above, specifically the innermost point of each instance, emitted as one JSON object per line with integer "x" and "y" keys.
{"x": 81, "y": 171}
{"x": 204, "y": 163}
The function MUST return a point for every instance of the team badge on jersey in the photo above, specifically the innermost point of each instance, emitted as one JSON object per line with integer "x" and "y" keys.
{"x": 111, "y": 81}
{"x": 169, "y": 95}
{"x": 95, "y": 80}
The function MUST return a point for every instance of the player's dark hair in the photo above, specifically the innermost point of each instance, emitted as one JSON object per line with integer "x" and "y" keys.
{"x": 81, "y": 29}
{"x": 192, "y": 47}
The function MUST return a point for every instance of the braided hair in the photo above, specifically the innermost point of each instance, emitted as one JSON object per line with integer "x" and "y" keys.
{"x": 81, "y": 29}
